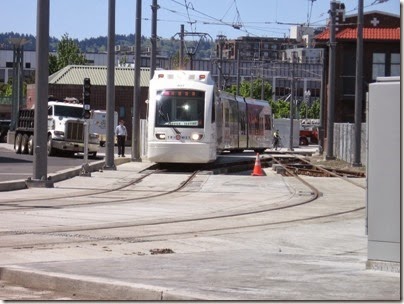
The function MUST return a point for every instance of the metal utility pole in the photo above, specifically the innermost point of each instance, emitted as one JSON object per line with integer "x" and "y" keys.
{"x": 154, "y": 8}
{"x": 136, "y": 91}
{"x": 181, "y": 61}
{"x": 322, "y": 108}
{"x": 40, "y": 165}
{"x": 109, "y": 151}
{"x": 331, "y": 84}
{"x": 358, "y": 88}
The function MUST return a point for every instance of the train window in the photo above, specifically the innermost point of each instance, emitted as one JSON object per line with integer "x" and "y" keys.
{"x": 180, "y": 108}
{"x": 267, "y": 122}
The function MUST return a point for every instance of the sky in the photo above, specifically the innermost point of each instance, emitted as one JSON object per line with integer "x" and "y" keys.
{"x": 265, "y": 18}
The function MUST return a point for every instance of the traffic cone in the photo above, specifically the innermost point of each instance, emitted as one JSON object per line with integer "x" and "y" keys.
{"x": 257, "y": 167}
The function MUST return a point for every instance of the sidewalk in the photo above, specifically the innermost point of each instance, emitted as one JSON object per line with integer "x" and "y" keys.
{"x": 322, "y": 259}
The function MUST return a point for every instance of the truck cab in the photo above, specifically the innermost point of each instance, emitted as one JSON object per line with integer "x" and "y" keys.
{"x": 65, "y": 130}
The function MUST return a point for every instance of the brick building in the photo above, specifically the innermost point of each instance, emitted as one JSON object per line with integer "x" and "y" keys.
{"x": 381, "y": 57}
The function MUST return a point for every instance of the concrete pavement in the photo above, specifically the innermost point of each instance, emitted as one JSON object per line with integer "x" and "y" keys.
{"x": 271, "y": 256}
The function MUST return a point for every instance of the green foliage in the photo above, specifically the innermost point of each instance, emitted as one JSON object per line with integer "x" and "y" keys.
{"x": 313, "y": 111}
{"x": 68, "y": 53}
{"x": 281, "y": 108}
{"x": 245, "y": 90}
{"x": 6, "y": 89}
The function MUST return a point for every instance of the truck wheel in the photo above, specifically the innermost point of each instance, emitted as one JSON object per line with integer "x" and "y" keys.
{"x": 31, "y": 145}
{"x": 24, "y": 144}
{"x": 51, "y": 151}
{"x": 17, "y": 144}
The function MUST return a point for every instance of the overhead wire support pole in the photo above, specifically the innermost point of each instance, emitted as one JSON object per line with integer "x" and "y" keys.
{"x": 110, "y": 144}
{"x": 331, "y": 84}
{"x": 181, "y": 59}
{"x": 136, "y": 90}
{"x": 358, "y": 88}
{"x": 154, "y": 7}
{"x": 40, "y": 164}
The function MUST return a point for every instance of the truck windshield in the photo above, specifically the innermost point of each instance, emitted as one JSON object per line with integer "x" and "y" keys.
{"x": 66, "y": 111}
{"x": 180, "y": 108}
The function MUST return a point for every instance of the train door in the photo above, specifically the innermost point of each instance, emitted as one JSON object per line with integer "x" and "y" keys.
{"x": 242, "y": 123}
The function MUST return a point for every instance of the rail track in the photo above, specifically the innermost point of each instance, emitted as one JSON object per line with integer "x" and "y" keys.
{"x": 216, "y": 222}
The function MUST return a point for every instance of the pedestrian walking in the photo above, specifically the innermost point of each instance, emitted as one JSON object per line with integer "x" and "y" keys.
{"x": 121, "y": 134}
{"x": 276, "y": 139}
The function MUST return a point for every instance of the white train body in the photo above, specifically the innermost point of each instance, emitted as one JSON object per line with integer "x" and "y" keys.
{"x": 189, "y": 121}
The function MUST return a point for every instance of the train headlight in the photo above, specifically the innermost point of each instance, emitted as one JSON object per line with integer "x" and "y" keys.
{"x": 161, "y": 135}
{"x": 196, "y": 136}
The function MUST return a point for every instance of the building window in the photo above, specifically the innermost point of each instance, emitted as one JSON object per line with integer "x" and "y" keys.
{"x": 121, "y": 112}
{"x": 395, "y": 65}
{"x": 9, "y": 64}
{"x": 378, "y": 65}
{"x": 28, "y": 65}
{"x": 385, "y": 65}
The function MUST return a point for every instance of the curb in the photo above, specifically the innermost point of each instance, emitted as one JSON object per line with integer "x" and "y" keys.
{"x": 60, "y": 175}
{"x": 86, "y": 287}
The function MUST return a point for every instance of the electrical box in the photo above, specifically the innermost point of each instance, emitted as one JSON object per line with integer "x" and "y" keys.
{"x": 383, "y": 170}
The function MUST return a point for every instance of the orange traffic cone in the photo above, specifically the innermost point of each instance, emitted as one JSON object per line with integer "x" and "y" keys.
{"x": 257, "y": 167}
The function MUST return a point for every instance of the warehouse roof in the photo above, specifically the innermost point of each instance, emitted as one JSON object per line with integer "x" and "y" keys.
{"x": 74, "y": 74}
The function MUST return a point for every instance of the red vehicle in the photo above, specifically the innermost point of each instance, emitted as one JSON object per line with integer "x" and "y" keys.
{"x": 308, "y": 135}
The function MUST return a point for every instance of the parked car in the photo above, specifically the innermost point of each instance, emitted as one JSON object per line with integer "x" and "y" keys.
{"x": 308, "y": 135}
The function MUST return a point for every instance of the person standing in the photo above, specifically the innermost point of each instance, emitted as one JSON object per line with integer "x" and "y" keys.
{"x": 121, "y": 134}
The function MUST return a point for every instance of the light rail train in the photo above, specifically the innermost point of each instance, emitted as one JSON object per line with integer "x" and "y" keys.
{"x": 190, "y": 121}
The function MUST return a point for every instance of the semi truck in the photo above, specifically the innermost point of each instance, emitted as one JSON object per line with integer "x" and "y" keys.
{"x": 65, "y": 130}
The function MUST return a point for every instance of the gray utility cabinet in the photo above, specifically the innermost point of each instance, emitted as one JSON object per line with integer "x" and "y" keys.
{"x": 383, "y": 170}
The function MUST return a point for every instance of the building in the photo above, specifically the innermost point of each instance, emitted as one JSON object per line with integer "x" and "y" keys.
{"x": 255, "y": 48}
{"x": 381, "y": 57}
{"x": 68, "y": 82}
{"x": 93, "y": 59}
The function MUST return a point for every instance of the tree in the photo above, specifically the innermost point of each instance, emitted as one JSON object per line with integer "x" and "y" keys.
{"x": 280, "y": 108}
{"x": 245, "y": 90}
{"x": 67, "y": 53}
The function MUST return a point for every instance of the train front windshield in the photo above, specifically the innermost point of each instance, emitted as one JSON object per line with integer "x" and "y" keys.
{"x": 180, "y": 108}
